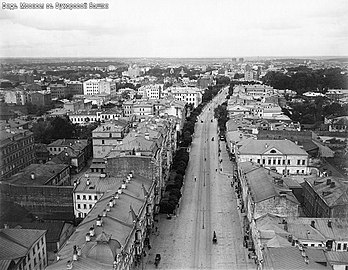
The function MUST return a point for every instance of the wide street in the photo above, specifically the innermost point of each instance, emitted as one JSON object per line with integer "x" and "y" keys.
{"x": 208, "y": 204}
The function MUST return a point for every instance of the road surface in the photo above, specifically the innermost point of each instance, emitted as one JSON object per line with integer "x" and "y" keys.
{"x": 208, "y": 204}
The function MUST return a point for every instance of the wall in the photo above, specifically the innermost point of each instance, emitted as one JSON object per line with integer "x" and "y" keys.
{"x": 277, "y": 206}
{"x": 48, "y": 202}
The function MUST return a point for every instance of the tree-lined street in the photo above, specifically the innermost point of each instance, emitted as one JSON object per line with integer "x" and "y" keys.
{"x": 208, "y": 204}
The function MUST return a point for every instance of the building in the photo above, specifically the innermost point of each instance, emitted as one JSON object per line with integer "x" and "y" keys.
{"x": 23, "y": 249}
{"x": 115, "y": 232}
{"x": 139, "y": 108}
{"x": 98, "y": 86}
{"x": 325, "y": 197}
{"x": 41, "y": 98}
{"x": 282, "y": 156}
{"x": 204, "y": 82}
{"x": 190, "y": 95}
{"x": 91, "y": 116}
{"x": 17, "y": 96}
{"x": 43, "y": 189}
{"x": 75, "y": 87}
{"x": 58, "y": 90}
{"x": 151, "y": 91}
{"x": 17, "y": 151}
{"x": 107, "y": 136}
{"x": 74, "y": 153}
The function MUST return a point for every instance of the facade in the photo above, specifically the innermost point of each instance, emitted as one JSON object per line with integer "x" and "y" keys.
{"x": 325, "y": 197}
{"x": 43, "y": 189}
{"x": 23, "y": 249}
{"x": 98, "y": 86}
{"x": 107, "y": 136}
{"x": 17, "y": 96}
{"x": 118, "y": 236}
{"x": 17, "y": 151}
{"x": 151, "y": 91}
{"x": 86, "y": 117}
{"x": 75, "y": 87}
{"x": 138, "y": 108}
{"x": 58, "y": 91}
{"x": 282, "y": 156}
{"x": 41, "y": 98}
{"x": 190, "y": 95}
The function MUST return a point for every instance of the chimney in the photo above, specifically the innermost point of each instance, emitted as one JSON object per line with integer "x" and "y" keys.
{"x": 111, "y": 203}
{"x": 32, "y": 176}
{"x": 91, "y": 231}
{"x": 75, "y": 254}
{"x": 119, "y": 190}
{"x": 329, "y": 223}
{"x": 88, "y": 182}
{"x": 131, "y": 174}
{"x": 313, "y": 223}
{"x": 69, "y": 265}
{"x": 328, "y": 181}
{"x": 88, "y": 237}
{"x": 99, "y": 221}
{"x": 123, "y": 186}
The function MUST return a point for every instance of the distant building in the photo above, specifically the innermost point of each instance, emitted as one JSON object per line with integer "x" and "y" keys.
{"x": 325, "y": 197}
{"x": 190, "y": 95}
{"x": 17, "y": 151}
{"x": 43, "y": 189}
{"x": 17, "y": 96}
{"x": 107, "y": 136}
{"x": 58, "y": 90}
{"x": 23, "y": 249}
{"x": 98, "y": 86}
{"x": 282, "y": 156}
{"x": 75, "y": 87}
{"x": 41, "y": 98}
{"x": 151, "y": 91}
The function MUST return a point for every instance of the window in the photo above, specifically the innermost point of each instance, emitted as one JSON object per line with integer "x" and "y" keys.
{"x": 305, "y": 245}
{"x": 298, "y": 162}
{"x": 78, "y": 197}
{"x": 339, "y": 246}
{"x": 283, "y": 161}
{"x": 258, "y": 160}
{"x": 304, "y": 162}
{"x": 84, "y": 206}
{"x": 95, "y": 197}
{"x": 269, "y": 162}
{"x": 274, "y": 162}
{"x": 90, "y": 197}
{"x": 84, "y": 197}
{"x": 344, "y": 246}
{"x": 302, "y": 171}
{"x": 278, "y": 161}
{"x": 90, "y": 206}
{"x": 103, "y": 141}
{"x": 288, "y": 161}
{"x": 312, "y": 245}
{"x": 263, "y": 161}
{"x": 78, "y": 206}
{"x": 297, "y": 171}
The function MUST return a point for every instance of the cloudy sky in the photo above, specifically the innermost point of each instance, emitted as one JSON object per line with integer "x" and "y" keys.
{"x": 178, "y": 28}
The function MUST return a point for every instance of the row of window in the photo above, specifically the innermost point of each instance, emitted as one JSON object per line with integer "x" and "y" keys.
{"x": 18, "y": 145}
{"x": 84, "y": 197}
{"x": 279, "y": 161}
{"x": 84, "y": 206}
{"x": 18, "y": 154}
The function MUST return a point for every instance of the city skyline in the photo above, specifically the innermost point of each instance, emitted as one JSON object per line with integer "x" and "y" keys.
{"x": 179, "y": 30}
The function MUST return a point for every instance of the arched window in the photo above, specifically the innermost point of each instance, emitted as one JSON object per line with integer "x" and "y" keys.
{"x": 273, "y": 151}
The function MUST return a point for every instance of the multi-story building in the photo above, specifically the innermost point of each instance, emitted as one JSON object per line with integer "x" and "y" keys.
{"x": 17, "y": 151}
{"x": 325, "y": 197}
{"x": 190, "y": 95}
{"x": 17, "y": 96}
{"x": 282, "y": 156}
{"x": 86, "y": 117}
{"x": 75, "y": 87}
{"x": 23, "y": 249}
{"x": 75, "y": 153}
{"x": 107, "y": 136}
{"x": 58, "y": 90}
{"x": 43, "y": 189}
{"x": 138, "y": 108}
{"x": 98, "y": 86}
{"x": 151, "y": 91}
{"x": 41, "y": 98}
{"x": 116, "y": 231}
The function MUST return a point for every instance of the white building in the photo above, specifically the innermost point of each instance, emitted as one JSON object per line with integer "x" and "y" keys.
{"x": 98, "y": 86}
{"x": 190, "y": 95}
{"x": 151, "y": 91}
{"x": 282, "y": 156}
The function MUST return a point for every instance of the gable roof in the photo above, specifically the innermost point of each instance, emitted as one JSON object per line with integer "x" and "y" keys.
{"x": 259, "y": 147}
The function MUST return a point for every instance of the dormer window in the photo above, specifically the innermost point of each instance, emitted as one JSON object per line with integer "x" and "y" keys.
{"x": 273, "y": 151}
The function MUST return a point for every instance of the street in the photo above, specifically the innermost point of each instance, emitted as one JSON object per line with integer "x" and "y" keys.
{"x": 208, "y": 204}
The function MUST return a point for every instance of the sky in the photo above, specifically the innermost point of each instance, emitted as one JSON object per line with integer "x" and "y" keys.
{"x": 178, "y": 28}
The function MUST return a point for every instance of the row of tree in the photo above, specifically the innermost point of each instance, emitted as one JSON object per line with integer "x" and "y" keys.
{"x": 221, "y": 114}
{"x": 53, "y": 128}
{"x": 302, "y": 79}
